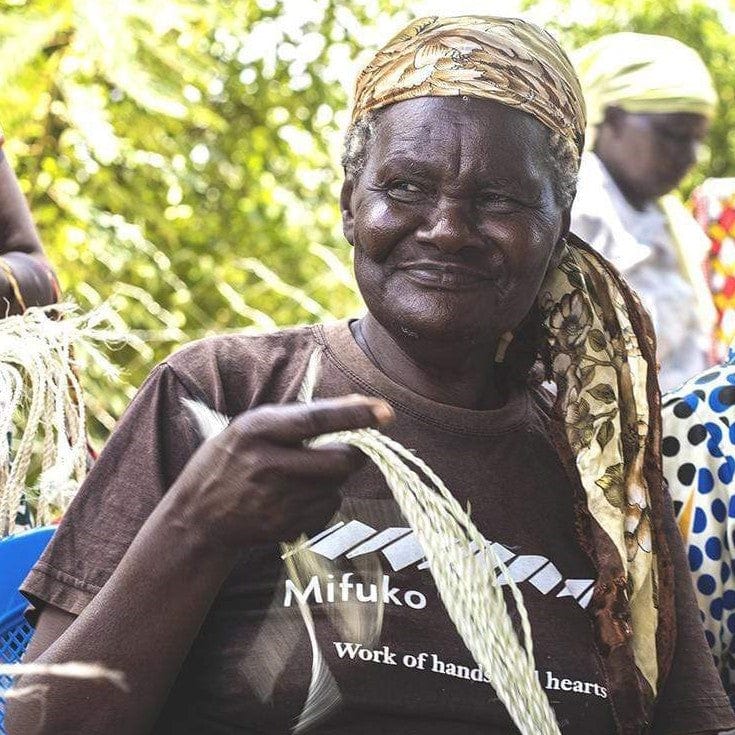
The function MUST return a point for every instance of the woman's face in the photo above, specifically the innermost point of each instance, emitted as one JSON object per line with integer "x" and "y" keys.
{"x": 649, "y": 154}
{"x": 453, "y": 218}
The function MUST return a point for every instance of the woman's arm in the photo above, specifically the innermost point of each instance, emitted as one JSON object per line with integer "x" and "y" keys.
{"x": 142, "y": 623}
{"x": 24, "y": 269}
{"x": 255, "y": 483}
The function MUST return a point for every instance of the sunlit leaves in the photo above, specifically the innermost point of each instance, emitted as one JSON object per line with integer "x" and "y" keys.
{"x": 697, "y": 23}
{"x": 181, "y": 159}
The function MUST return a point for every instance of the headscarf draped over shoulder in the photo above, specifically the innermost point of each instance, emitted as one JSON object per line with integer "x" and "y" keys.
{"x": 643, "y": 73}
{"x": 506, "y": 60}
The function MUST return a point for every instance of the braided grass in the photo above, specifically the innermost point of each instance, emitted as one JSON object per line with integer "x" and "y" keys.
{"x": 463, "y": 565}
{"x": 466, "y": 570}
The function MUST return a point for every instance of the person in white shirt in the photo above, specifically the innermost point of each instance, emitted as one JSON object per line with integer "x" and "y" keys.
{"x": 650, "y": 100}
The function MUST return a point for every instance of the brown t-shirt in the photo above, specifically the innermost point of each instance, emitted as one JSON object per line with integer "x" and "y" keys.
{"x": 249, "y": 667}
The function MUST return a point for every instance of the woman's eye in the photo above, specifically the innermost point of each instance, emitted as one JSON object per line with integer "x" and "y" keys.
{"x": 494, "y": 199}
{"x": 404, "y": 191}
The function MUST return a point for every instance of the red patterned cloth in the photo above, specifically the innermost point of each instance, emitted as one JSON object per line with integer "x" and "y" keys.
{"x": 714, "y": 209}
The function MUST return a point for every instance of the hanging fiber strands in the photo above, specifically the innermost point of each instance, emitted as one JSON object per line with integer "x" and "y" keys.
{"x": 41, "y": 409}
{"x": 468, "y": 575}
{"x": 71, "y": 670}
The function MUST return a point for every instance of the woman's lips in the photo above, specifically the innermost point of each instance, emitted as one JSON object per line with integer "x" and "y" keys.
{"x": 449, "y": 276}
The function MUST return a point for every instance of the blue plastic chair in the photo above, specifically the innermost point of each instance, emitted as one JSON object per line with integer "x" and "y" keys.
{"x": 18, "y": 553}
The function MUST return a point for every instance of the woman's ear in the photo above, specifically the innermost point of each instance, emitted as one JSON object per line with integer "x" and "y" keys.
{"x": 345, "y": 205}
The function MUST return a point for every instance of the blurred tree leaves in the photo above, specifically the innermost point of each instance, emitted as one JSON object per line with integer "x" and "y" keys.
{"x": 180, "y": 158}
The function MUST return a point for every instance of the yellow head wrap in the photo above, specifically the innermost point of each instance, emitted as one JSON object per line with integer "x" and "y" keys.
{"x": 503, "y": 59}
{"x": 643, "y": 74}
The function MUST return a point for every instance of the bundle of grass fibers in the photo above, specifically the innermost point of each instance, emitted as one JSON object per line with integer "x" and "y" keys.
{"x": 42, "y": 414}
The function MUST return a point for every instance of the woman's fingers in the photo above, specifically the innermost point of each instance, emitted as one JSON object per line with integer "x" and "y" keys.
{"x": 331, "y": 464}
{"x": 258, "y": 481}
{"x": 294, "y": 423}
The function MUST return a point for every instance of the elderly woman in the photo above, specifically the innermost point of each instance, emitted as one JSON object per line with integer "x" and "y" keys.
{"x": 650, "y": 100}
{"x": 460, "y": 172}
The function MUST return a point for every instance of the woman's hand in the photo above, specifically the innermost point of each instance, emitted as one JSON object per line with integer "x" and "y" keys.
{"x": 254, "y": 483}
{"x": 257, "y": 482}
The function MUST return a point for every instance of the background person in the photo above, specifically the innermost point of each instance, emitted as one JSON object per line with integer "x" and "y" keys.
{"x": 456, "y": 200}
{"x": 649, "y": 102}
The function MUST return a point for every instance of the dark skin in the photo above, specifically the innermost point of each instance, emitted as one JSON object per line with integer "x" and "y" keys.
{"x": 454, "y": 224}
{"x": 256, "y": 483}
{"x": 20, "y": 247}
{"x": 648, "y": 155}
{"x": 441, "y": 276}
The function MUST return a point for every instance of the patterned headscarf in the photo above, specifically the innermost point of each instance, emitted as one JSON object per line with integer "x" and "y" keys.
{"x": 599, "y": 347}
{"x": 641, "y": 73}
{"x": 502, "y": 59}
{"x": 602, "y": 359}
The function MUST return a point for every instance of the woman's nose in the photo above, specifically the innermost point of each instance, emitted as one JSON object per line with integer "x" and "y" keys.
{"x": 450, "y": 228}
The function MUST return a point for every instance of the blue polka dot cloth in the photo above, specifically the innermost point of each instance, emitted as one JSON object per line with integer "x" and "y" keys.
{"x": 699, "y": 465}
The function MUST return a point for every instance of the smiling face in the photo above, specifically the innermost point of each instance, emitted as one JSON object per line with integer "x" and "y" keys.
{"x": 453, "y": 218}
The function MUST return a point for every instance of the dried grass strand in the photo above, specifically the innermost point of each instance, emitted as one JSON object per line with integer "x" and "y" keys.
{"x": 466, "y": 570}
{"x": 40, "y": 399}
{"x": 463, "y": 566}
{"x": 71, "y": 670}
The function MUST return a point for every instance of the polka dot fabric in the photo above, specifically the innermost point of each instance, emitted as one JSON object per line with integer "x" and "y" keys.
{"x": 699, "y": 465}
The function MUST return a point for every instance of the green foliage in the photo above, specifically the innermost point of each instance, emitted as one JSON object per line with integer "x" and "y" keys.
{"x": 180, "y": 159}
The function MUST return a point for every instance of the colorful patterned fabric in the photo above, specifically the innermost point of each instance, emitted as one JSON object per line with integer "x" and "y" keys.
{"x": 600, "y": 363}
{"x": 642, "y": 73}
{"x": 699, "y": 465}
{"x": 507, "y": 60}
{"x": 714, "y": 209}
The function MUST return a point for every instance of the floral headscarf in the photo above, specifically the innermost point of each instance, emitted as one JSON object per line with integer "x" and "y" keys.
{"x": 503, "y": 59}
{"x": 602, "y": 359}
{"x": 600, "y": 347}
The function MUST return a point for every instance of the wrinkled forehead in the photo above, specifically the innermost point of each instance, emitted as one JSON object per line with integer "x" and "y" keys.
{"x": 445, "y": 128}
{"x": 461, "y": 146}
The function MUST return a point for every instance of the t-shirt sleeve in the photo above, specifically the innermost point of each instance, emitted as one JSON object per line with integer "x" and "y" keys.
{"x": 145, "y": 454}
{"x": 692, "y": 700}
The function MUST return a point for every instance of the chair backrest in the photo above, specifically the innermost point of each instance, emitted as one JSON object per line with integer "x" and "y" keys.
{"x": 18, "y": 553}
